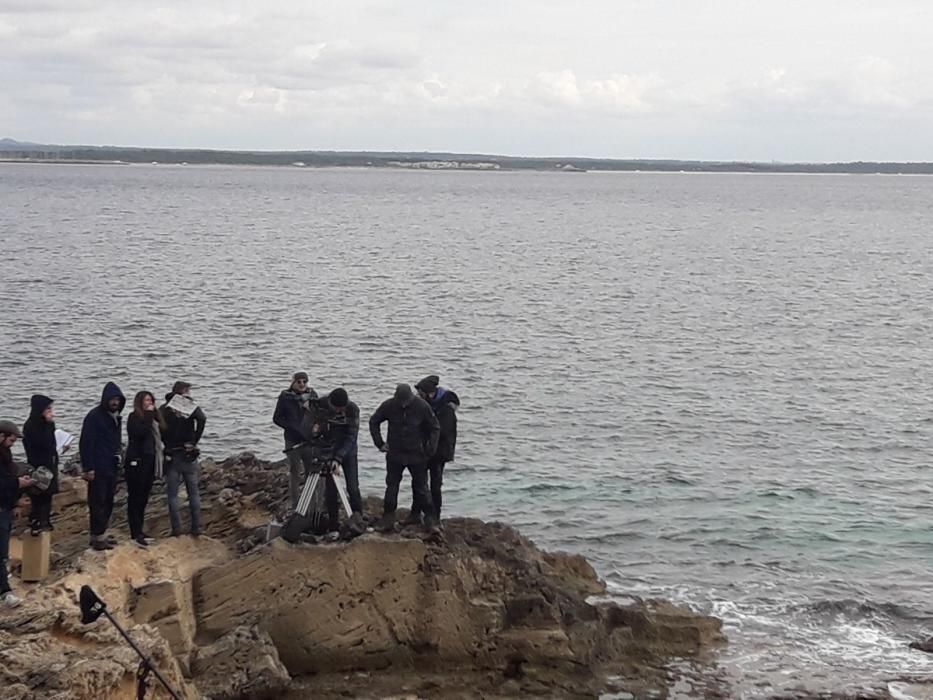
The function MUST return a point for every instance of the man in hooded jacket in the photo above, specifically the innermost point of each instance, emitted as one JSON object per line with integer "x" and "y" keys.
{"x": 413, "y": 435}
{"x": 444, "y": 403}
{"x": 99, "y": 446}
{"x": 41, "y": 451}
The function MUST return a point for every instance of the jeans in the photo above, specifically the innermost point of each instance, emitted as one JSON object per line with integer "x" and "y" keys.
{"x": 189, "y": 471}
{"x": 419, "y": 486}
{"x": 436, "y": 470}
{"x": 6, "y": 528}
{"x": 300, "y": 460}
{"x": 100, "y": 494}
{"x": 351, "y": 473}
{"x": 139, "y": 479}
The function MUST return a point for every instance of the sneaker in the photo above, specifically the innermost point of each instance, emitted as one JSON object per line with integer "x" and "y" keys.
{"x": 141, "y": 542}
{"x": 176, "y": 533}
{"x": 110, "y": 539}
{"x": 431, "y": 526}
{"x": 195, "y": 534}
{"x": 11, "y": 600}
{"x": 100, "y": 545}
{"x": 35, "y": 529}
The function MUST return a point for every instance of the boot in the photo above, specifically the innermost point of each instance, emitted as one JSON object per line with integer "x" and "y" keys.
{"x": 431, "y": 525}
{"x": 386, "y": 523}
{"x": 413, "y": 518}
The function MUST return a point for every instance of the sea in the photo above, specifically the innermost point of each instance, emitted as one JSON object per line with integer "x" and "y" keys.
{"x": 718, "y": 388}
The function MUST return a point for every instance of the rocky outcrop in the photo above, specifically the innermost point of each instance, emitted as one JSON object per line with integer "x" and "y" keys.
{"x": 232, "y": 616}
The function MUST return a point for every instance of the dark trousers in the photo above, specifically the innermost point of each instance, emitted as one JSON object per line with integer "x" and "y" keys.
{"x": 419, "y": 486}
{"x": 100, "y": 493}
{"x": 6, "y": 527}
{"x": 351, "y": 473}
{"x": 436, "y": 472}
{"x": 140, "y": 475}
{"x": 41, "y": 511}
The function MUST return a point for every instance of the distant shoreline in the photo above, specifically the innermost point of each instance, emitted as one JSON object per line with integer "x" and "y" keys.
{"x": 17, "y": 152}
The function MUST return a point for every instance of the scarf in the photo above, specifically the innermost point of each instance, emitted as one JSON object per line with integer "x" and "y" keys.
{"x": 157, "y": 439}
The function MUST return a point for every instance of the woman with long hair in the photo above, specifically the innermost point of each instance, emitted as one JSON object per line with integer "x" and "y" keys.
{"x": 143, "y": 463}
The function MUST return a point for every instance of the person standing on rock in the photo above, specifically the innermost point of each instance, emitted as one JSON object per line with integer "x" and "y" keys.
{"x": 10, "y": 486}
{"x": 343, "y": 417}
{"x": 41, "y": 451}
{"x": 180, "y": 438}
{"x": 444, "y": 403}
{"x": 99, "y": 447}
{"x": 143, "y": 461}
{"x": 294, "y": 414}
{"x": 412, "y": 441}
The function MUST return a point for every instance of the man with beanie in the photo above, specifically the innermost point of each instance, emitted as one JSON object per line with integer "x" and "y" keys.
{"x": 182, "y": 433}
{"x": 294, "y": 414}
{"x": 444, "y": 403}
{"x": 99, "y": 446}
{"x": 343, "y": 418}
{"x": 10, "y": 486}
{"x": 41, "y": 451}
{"x": 412, "y": 440}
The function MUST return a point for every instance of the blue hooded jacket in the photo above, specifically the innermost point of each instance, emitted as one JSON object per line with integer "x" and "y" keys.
{"x": 100, "y": 434}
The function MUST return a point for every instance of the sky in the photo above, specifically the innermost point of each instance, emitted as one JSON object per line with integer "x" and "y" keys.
{"x": 794, "y": 80}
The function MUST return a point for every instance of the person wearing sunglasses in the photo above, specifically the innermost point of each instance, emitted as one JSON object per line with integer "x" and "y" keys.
{"x": 294, "y": 414}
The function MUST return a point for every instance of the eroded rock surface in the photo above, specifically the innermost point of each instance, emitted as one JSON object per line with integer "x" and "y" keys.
{"x": 483, "y": 610}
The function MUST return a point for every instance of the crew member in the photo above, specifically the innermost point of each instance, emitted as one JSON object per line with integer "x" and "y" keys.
{"x": 100, "y": 455}
{"x": 143, "y": 461}
{"x": 10, "y": 486}
{"x": 412, "y": 440}
{"x": 41, "y": 451}
{"x": 343, "y": 417}
{"x": 180, "y": 438}
{"x": 444, "y": 403}
{"x": 294, "y": 415}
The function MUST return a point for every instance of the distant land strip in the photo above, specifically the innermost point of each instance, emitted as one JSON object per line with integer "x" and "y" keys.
{"x": 18, "y": 151}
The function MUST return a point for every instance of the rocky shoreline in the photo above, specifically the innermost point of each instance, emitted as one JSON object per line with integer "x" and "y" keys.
{"x": 480, "y": 612}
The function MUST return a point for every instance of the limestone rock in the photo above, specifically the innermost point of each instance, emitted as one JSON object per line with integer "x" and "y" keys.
{"x": 242, "y": 665}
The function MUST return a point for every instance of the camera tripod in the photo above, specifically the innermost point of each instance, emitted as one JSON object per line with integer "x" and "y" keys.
{"x": 299, "y": 520}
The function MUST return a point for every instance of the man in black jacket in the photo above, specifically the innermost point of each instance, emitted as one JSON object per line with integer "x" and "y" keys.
{"x": 10, "y": 486}
{"x": 180, "y": 438}
{"x": 294, "y": 414}
{"x": 100, "y": 445}
{"x": 412, "y": 440}
{"x": 444, "y": 403}
{"x": 41, "y": 451}
{"x": 343, "y": 427}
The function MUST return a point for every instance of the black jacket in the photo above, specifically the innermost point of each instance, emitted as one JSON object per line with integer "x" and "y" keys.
{"x": 445, "y": 404}
{"x": 291, "y": 416}
{"x": 140, "y": 438}
{"x": 100, "y": 434}
{"x": 343, "y": 431}
{"x": 413, "y": 430}
{"x": 9, "y": 481}
{"x": 39, "y": 439}
{"x": 178, "y": 429}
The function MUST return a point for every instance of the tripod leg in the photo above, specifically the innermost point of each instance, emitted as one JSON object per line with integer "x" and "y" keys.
{"x": 306, "y": 494}
{"x": 342, "y": 492}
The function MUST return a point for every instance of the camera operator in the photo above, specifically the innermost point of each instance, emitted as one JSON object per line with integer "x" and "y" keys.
{"x": 413, "y": 435}
{"x": 343, "y": 427}
{"x": 294, "y": 414}
{"x": 180, "y": 459}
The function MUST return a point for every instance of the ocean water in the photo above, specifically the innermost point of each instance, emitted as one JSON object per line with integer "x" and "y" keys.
{"x": 716, "y": 387}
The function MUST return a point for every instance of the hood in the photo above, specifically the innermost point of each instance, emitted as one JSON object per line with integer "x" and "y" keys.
{"x": 444, "y": 396}
{"x": 37, "y": 404}
{"x": 110, "y": 391}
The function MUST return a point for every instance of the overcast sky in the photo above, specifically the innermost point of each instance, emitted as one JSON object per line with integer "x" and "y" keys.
{"x": 711, "y": 79}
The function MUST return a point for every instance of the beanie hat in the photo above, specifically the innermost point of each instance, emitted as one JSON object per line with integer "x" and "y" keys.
{"x": 338, "y": 398}
{"x": 428, "y": 384}
{"x": 8, "y": 427}
{"x": 404, "y": 394}
{"x": 299, "y": 375}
